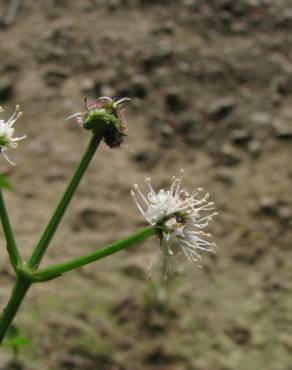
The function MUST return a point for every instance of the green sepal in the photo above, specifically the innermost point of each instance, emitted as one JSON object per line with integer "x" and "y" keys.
{"x": 101, "y": 118}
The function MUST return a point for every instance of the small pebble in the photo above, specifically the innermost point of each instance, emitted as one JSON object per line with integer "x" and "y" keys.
{"x": 221, "y": 108}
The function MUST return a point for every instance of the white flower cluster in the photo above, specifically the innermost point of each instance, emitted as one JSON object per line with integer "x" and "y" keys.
{"x": 180, "y": 218}
{"x": 7, "y": 140}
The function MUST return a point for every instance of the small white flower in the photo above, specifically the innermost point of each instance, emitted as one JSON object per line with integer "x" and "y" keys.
{"x": 180, "y": 218}
{"x": 7, "y": 140}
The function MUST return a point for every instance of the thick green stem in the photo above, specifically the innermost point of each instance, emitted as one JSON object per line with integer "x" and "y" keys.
{"x": 19, "y": 291}
{"x": 61, "y": 208}
{"x": 56, "y": 270}
{"x": 11, "y": 243}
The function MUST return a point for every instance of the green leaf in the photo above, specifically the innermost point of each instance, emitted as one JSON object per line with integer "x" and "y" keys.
{"x": 4, "y": 183}
{"x": 15, "y": 339}
{"x": 18, "y": 342}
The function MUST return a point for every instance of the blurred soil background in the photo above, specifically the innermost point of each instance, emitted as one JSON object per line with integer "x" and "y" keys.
{"x": 211, "y": 83}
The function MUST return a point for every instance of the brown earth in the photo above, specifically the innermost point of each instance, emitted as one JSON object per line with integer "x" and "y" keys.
{"x": 211, "y": 83}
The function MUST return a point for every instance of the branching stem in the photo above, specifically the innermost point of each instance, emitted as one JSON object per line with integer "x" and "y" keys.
{"x": 29, "y": 273}
{"x": 24, "y": 273}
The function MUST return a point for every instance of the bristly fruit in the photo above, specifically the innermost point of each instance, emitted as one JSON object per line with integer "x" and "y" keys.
{"x": 106, "y": 114}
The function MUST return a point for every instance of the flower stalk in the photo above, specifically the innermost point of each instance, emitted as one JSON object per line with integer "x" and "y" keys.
{"x": 12, "y": 248}
{"x": 54, "y": 271}
{"x": 61, "y": 208}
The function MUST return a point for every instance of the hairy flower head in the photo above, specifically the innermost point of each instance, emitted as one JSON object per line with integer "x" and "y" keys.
{"x": 180, "y": 218}
{"x": 108, "y": 114}
{"x": 7, "y": 141}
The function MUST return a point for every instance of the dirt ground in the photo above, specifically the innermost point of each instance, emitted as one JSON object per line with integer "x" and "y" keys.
{"x": 211, "y": 83}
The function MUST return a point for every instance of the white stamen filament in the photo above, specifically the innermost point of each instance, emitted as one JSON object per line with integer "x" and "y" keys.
{"x": 6, "y": 133}
{"x": 182, "y": 212}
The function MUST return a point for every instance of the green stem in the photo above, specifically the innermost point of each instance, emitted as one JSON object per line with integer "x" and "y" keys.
{"x": 19, "y": 291}
{"x": 25, "y": 274}
{"x": 61, "y": 208}
{"x": 56, "y": 270}
{"x": 13, "y": 252}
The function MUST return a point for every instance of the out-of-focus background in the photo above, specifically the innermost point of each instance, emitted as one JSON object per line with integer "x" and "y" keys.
{"x": 211, "y": 83}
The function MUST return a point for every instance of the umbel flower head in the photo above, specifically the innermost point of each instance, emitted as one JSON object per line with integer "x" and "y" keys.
{"x": 7, "y": 140}
{"x": 180, "y": 218}
{"x": 108, "y": 114}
